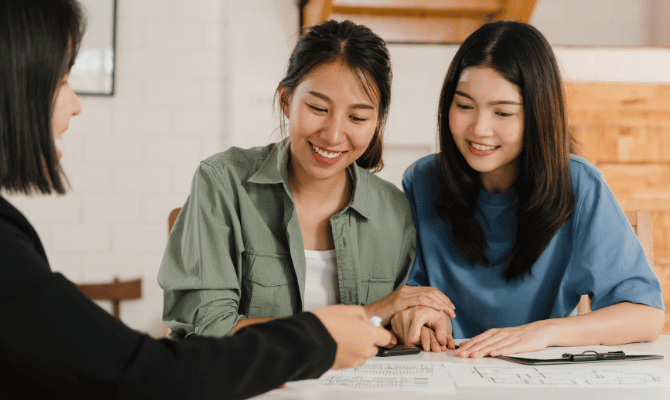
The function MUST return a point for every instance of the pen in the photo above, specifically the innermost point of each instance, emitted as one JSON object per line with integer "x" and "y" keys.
{"x": 591, "y": 355}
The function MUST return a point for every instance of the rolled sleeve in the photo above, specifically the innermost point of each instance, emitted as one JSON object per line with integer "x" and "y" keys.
{"x": 200, "y": 270}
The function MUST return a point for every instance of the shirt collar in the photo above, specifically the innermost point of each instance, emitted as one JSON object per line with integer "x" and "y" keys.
{"x": 274, "y": 170}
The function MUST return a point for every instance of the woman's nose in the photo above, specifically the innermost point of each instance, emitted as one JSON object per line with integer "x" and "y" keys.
{"x": 76, "y": 105}
{"x": 333, "y": 130}
{"x": 481, "y": 126}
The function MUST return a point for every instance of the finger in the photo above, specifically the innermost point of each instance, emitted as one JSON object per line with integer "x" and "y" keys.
{"x": 435, "y": 345}
{"x": 475, "y": 340}
{"x": 394, "y": 339}
{"x": 415, "y": 330}
{"x": 487, "y": 350}
{"x": 441, "y": 329}
{"x": 425, "y": 338}
{"x": 451, "y": 344}
{"x": 382, "y": 337}
{"x": 484, "y": 347}
{"x": 518, "y": 347}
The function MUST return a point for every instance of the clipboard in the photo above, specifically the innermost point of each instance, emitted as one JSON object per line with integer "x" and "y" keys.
{"x": 588, "y": 356}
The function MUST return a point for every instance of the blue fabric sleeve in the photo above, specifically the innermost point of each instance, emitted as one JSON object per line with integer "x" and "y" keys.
{"x": 417, "y": 276}
{"x": 609, "y": 263}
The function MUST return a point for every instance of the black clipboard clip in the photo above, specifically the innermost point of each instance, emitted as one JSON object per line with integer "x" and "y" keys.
{"x": 592, "y": 355}
{"x": 584, "y": 357}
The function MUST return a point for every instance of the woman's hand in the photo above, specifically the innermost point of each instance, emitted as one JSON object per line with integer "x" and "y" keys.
{"x": 356, "y": 338}
{"x": 424, "y": 326}
{"x": 410, "y": 296}
{"x": 500, "y": 341}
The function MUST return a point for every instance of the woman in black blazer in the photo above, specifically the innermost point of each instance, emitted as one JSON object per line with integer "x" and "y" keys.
{"x": 52, "y": 338}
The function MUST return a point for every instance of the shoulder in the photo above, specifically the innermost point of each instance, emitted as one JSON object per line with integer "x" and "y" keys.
{"x": 421, "y": 176}
{"x": 585, "y": 176}
{"x": 21, "y": 258}
{"x": 236, "y": 164}
{"x": 582, "y": 168}
{"x": 421, "y": 168}
{"x": 382, "y": 192}
{"x": 237, "y": 158}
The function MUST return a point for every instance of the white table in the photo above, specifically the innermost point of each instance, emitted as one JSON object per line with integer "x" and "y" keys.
{"x": 661, "y": 346}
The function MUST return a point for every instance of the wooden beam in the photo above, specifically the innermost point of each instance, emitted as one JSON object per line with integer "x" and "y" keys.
{"x": 418, "y": 7}
{"x": 316, "y": 11}
{"x": 517, "y": 10}
{"x": 398, "y": 29}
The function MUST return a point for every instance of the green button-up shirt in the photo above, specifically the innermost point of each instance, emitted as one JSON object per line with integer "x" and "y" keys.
{"x": 236, "y": 249}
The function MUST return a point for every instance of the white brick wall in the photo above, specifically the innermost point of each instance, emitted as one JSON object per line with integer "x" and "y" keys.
{"x": 194, "y": 77}
{"x": 130, "y": 157}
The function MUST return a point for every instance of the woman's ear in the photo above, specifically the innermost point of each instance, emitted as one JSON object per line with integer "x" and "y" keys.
{"x": 284, "y": 101}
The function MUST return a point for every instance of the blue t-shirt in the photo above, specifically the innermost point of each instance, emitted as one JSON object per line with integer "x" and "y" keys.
{"x": 596, "y": 253}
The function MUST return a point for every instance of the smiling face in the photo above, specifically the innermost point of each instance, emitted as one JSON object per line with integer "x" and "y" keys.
{"x": 331, "y": 122}
{"x": 66, "y": 105}
{"x": 486, "y": 122}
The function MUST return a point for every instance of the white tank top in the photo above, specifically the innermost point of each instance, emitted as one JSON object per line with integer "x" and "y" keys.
{"x": 321, "y": 285}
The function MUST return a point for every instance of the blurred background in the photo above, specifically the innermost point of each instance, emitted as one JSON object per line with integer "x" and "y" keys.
{"x": 195, "y": 77}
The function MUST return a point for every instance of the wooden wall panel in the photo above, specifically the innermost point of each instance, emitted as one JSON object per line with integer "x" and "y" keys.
{"x": 624, "y": 104}
{"x": 638, "y": 182}
{"x": 623, "y": 144}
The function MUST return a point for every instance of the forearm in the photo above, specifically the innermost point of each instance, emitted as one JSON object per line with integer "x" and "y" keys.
{"x": 617, "y": 324}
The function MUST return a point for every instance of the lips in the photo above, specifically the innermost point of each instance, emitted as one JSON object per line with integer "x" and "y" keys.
{"x": 325, "y": 157}
{"x": 481, "y": 150}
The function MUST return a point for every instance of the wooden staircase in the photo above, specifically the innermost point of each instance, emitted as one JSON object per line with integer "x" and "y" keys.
{"x": 417, "y": 21}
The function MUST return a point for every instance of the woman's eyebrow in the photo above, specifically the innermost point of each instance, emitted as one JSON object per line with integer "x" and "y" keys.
{"x": 492, "y": 103}
{"x": 326, "y": 98}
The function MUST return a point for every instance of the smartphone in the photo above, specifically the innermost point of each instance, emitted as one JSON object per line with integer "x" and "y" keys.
{"x": 398, "y": 350}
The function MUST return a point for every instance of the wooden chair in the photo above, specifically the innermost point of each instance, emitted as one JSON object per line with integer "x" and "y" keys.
{"x": 172, "y": 218}
{"x": 115, "y": 291}
{"x": 641, "y": 223}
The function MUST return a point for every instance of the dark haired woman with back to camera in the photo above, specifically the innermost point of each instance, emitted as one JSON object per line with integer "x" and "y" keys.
{"x": 511, "y": 226}
{"x": 55, "y": 342}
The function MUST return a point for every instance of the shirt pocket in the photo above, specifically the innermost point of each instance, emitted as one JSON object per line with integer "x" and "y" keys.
{"x": 268, "y": 285}
{"x": 378, "y": 288}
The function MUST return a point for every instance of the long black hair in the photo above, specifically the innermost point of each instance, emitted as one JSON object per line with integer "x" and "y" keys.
{"x": 519, "y": 53}
{"x": 39, "y": 40}
{"x": 360, "y": 49}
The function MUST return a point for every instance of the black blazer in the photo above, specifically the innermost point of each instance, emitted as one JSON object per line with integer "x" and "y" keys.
{"x": 55, "y": 340}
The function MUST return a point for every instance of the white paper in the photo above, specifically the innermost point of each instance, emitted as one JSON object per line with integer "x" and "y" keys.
{"x": 604, "y": 376}
{"x": 386, "y": 376}
{"x": 551, "y": 353}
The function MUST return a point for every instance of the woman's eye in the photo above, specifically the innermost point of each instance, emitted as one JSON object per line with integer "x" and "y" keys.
{"x": 357, "y": 119}
{"x": 504, "y": 114}
{"x": 317, "y": 109}
{"x": 463, "y": 106}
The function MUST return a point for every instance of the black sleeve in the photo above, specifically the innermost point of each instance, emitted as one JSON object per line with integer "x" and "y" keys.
{"x": 55, "y": 339}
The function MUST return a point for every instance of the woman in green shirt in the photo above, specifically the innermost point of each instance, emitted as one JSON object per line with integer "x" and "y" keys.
{"x": 269, "y": 232}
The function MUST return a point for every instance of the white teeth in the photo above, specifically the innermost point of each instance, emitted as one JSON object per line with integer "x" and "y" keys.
{"x": 482, "y": 147}
{"x": 324, "y": 153}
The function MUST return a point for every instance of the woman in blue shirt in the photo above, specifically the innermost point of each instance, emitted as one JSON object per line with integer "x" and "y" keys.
{"x": 511, "y": 226}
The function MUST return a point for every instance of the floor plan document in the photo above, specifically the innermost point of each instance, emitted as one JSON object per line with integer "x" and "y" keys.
{"x": 584, "y": 375}
{"x": 387, "y": 376}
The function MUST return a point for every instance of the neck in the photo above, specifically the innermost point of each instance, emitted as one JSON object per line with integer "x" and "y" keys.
{"x": 334, "y": 190}
{"x": 499, "y": 181}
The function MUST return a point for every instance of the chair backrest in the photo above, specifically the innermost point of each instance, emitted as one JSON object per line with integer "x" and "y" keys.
{"x": 641, "y": 223}
{"x": 172, "y": 218}
{"x": 114, "y": 291}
